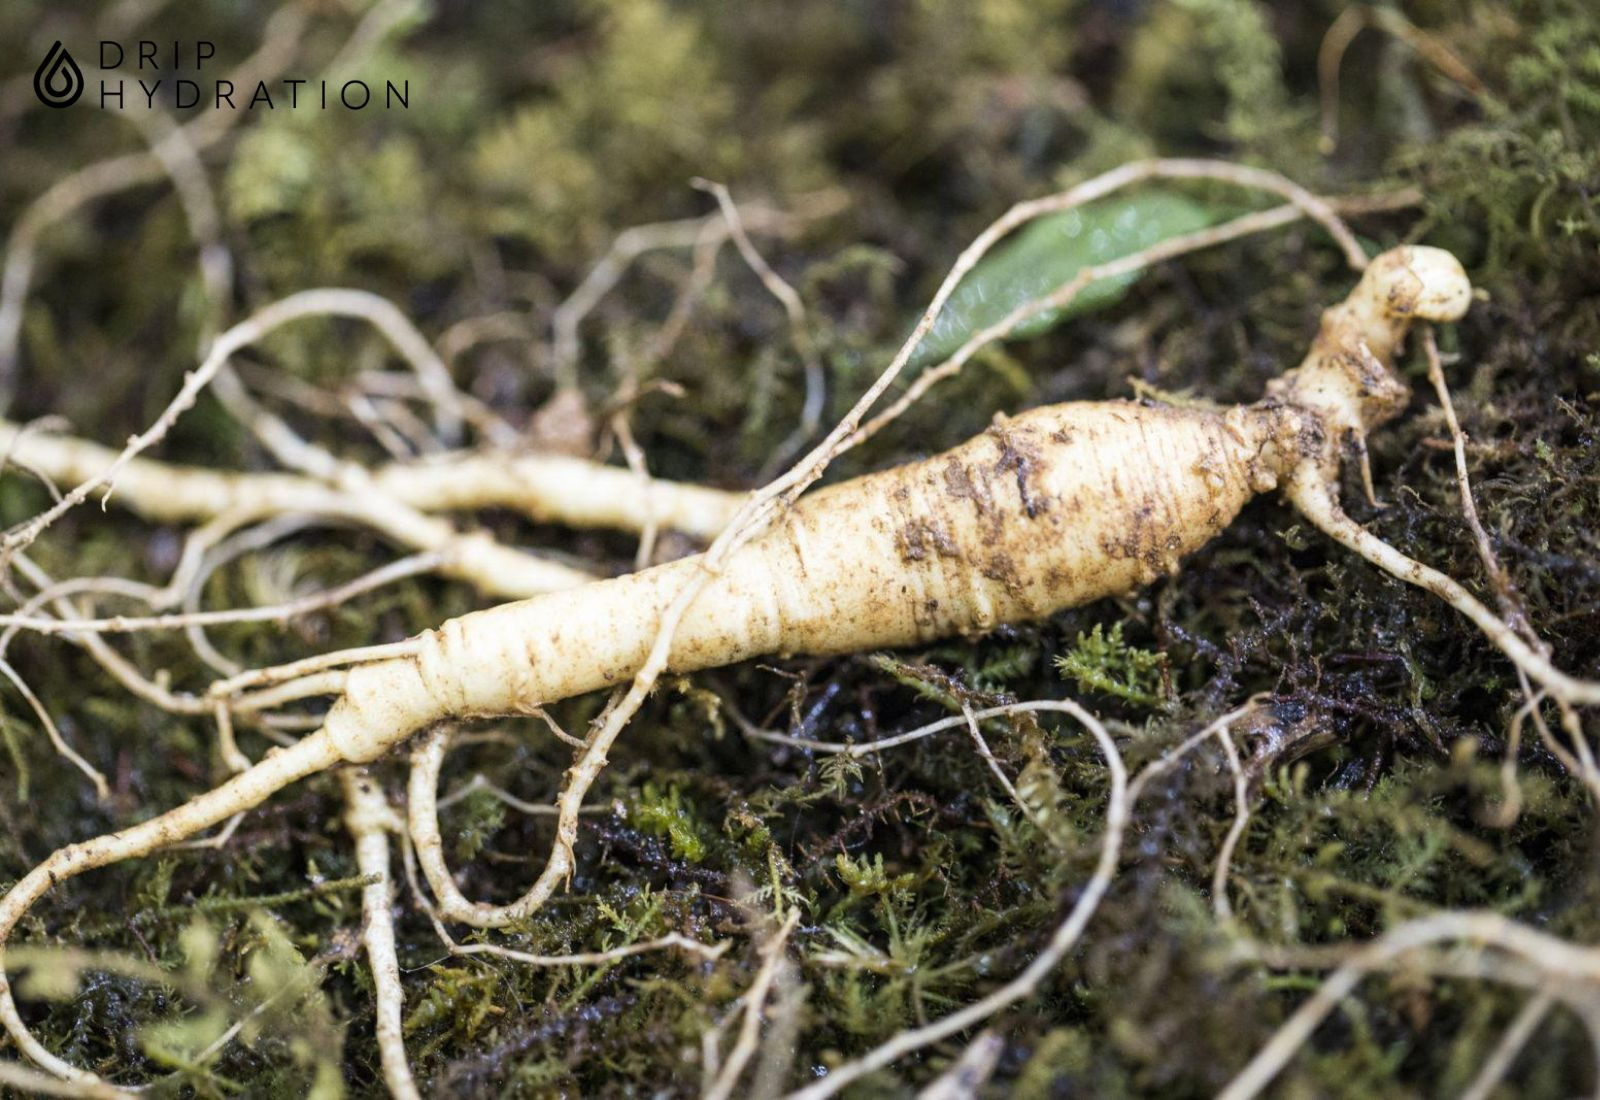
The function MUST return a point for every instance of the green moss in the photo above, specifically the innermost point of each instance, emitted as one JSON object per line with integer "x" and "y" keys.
{"x": 1105, "y": 663}
{"x": 662, "y": 813}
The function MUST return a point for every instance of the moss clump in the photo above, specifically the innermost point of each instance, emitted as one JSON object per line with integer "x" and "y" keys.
{"x": 1105, "y": 663}
{"x": 662, "y": 813}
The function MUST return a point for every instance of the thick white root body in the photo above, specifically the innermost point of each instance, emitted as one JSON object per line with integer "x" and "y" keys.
{"x": 1033, "y": 516}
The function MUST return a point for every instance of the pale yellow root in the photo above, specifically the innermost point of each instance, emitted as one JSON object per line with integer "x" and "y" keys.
{"x": 566, "y": 489}
{"x": 672, "y": 941}
{"x": 280, "y": 768}
{"x": 30, "y": 1082}
{"x": 1317, "y": 504}
{"x": 755, "y": 998}
{"x": 1347, "y": 386}
{"x": 705, "y": 235}
{"x": 547, "y": 488}
{"x": 970, "y": 1072}
{"x": 558, "y": 489}
{"x": 1118, "y": 808}
{"x": 370, "y": 820}
{"x": 1343, "y": 31}
{"x": 163, "y": 492}
{"x": 799, "y": 332}
{"x": 1568, "y": 972}
{"x": 1516, "y": 1036}
{"x": 1583, "y": 763}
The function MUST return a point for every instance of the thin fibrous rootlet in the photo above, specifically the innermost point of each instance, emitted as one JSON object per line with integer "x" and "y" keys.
{"x": 921, "y": 883}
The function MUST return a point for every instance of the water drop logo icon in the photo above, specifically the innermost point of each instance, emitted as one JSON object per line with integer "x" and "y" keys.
{"x": 58, "y": 82}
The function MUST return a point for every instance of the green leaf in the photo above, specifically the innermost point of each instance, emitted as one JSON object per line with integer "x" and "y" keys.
{"x": 1046, "y": 253}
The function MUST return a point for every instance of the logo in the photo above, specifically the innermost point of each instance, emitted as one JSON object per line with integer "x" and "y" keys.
{"x": 58, "y": 82}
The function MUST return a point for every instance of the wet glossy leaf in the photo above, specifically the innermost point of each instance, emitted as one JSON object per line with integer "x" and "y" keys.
{"x": 1047, "y": 252}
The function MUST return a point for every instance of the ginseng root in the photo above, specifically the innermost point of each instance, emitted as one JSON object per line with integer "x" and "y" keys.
{"x": 401, "y": 501}
{"x": 547, "y": 488}
{"x": 1044, "y": 511}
